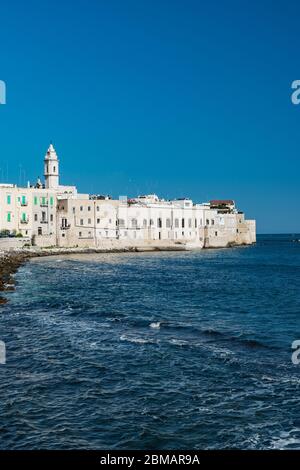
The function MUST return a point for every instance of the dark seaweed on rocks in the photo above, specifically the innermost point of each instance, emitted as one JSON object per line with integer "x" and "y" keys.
{"x": 9, "y": 264}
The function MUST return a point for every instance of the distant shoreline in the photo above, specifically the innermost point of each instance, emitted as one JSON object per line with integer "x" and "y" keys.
{"x": 10, "y": 261}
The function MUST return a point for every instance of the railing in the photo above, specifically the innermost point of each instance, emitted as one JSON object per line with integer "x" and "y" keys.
{"x": 24, "y": 221}
{"x": 44, "y": 204}
{"x": 23, "y": 204}
{"x": 43, "y": 221}
{"x": 65, "y": 227}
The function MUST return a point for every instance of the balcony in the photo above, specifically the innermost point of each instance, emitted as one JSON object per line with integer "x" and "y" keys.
{"x": 24, "y": 204}
{"x": 65, "y": 227}
{"x": 43, "y": 221}
{"x": 24, "y": 221}
{"x": 44, "y": 204}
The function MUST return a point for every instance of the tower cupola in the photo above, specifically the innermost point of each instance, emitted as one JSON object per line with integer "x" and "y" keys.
{"x": 51, "y": 168}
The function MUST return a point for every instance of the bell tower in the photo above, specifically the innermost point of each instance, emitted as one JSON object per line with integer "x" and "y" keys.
{"x": 51, "y": 169}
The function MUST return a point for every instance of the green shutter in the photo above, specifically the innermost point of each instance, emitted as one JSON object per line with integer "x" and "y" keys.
{"x": 35, "y": 200}
{"x": 23, "y": 199}
{"x": 8, "y": 199}
{"x": 24, "y": 216}
{"x": 8, "y": 217}
{"x": 51, "y": 200}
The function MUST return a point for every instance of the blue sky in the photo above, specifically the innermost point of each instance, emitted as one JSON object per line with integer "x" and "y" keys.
{"x": 181, "y": 98}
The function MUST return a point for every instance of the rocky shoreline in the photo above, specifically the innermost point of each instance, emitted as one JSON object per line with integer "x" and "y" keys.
{"x": 9, "y": 265}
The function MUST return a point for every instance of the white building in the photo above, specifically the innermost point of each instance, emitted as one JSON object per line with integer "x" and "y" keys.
{"x": 52, "y": 214}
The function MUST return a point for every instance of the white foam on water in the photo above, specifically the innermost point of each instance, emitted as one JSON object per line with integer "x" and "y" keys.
{"x": 133, "y": 339}
{"x": 287, "y": 440}
{"x": 178, "y": 342}
{"x": 155, "y": 325}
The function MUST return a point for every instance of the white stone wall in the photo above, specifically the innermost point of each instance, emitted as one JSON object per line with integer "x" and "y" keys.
{"x": 88, "y": 223}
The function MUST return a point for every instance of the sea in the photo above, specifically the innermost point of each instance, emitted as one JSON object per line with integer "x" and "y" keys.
{"x": 164, "y": 350}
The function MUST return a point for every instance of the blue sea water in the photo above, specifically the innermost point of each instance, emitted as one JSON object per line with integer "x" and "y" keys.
{"x": 154, "y": 350}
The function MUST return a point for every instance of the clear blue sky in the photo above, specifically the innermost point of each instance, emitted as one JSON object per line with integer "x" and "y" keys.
{"x": 181, "y": 98}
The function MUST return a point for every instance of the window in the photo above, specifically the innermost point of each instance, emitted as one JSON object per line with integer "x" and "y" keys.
{"x": 81, "y": 208}
{"x": 134, "y": 223}
{"x": 190, "y": 223}
{"x": 89, "y": 234}
{"x": 176, "y": 223}
{"x": 145, "y": 223}
{"x": 80, "y": 234}
{"x": 9, "y": 217}
{"x": 121, "y": 223}
{"x": 8, "y": 199}
{"x": 23, "y": 217}
{"x": 35, "y": 217}
{"x": 212, "y": 222}
{"x": 168, "y": 223}
{"x": 195, "y": 223}
{"x": 98, "y": 208}
{"x": 216, "y": 234}
{"x": 159, "y": 223}
{"x": 98, "y": 221}
{"x": 51, "y": 218}
{"x": 89, "y": 221}
{"x": 40, "y": 231}
{"x": 35, "y": 200}
{"x": 23, "y": 200}
{"x": 54, "y": 169}
{"x": 81, "y": 221}
{"x": 182, "y": 223}
{"x": 74, "y": 210}
{"x": 207, "y": 221}
{"x": 51, "y": 201}
{"x": 89, "y": 208}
